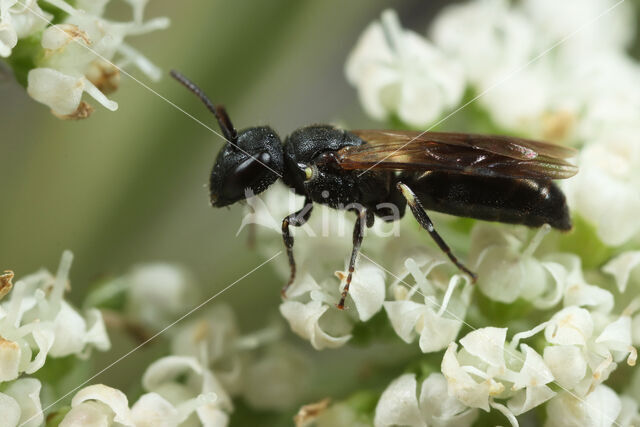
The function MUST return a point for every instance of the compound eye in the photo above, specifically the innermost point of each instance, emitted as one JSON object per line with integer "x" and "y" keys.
{"x": 308, "y": 173}
{"x": 246, "y": 174}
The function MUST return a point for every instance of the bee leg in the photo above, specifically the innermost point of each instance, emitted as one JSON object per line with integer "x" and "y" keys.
{"x": 358, "y": 234}
{"x": 296, "y": 219}
{"x": 422, "y": 218}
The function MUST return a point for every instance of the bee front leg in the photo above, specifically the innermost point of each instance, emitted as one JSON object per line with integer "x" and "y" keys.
{"x": 358, "y": 234}
{"x": 296, "y": 219}
{"x": 422, "y": 218}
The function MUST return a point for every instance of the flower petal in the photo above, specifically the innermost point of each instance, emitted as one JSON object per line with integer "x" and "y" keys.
{"x": 26, "y": 392}
{"x": 398, "y": 404}
{"x": 88, "y": 413}
{"x": 599, "y": 408}
{"x": 461, "y": 384}
{"x": 571, "y": 325}
{"x": 10, "y": 410}
{"x": 621, "y": 268}
{"x": 437, "y": 331}
{"x": 367, "y": 290}
{"x": 111, "y": 397}
{"x": 10, "y": 354}
{"x": 167, "y": 369}
{"x": 151, "y": 410}
{"x": 439, "y": 408}
{"x": 486, "y": 344}
{"x": 534, "y": 372}
{"x": 567, "y": 363}
{"x": 304, "y": 318}
{"x": 403, "y": 316}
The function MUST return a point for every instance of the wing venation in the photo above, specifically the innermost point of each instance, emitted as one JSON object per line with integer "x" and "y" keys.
{"x": 460, "y": 153}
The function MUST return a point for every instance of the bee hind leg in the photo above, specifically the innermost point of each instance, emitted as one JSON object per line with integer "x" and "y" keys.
{"x": 424, "y": 220}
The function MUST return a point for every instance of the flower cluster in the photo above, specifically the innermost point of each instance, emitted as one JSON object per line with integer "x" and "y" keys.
{"x": 37, "y": 324}
{"x": 541, "y": 70}
{"x": 558, "y": 74}
{"x": 73, "y": 51}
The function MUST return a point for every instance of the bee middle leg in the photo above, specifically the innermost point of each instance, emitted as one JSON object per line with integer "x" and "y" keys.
{"x": 296, "y": 219}
{"x": 422, "y": 218}
{"x": 358, "y": 235}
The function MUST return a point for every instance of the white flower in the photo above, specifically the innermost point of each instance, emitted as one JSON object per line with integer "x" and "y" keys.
{"x": 61, "y": 92}
{"x": 309, "y": 304}
{"x": 577, "y": 291}
{"x": 591, "y": 24}
{"x": 589, "y": 345}
{"x": 437, "y": 315}
{"x": 19, "y": 20}
{"x": 488, "y": 37}
{"x": 506, "y": 266}
{"x": 78, "y": 56}
{"x": 623, "y": 268}
{"x": 102, "y": 405}
{"x": 485, "y": 369}
{"x": 304, "y": 320}
{"x": 20, "y": 403}
{"x": 399, "y": 404}
{"x": 599, "y": 409}
{"x": 158, "y": 293}
{"x": 605, "y": 192}
{"x": 397, "y": 71}
{"x": 185, "y": 383}
{"x": 629, "y": 415}
{"x": 37, "y": 320}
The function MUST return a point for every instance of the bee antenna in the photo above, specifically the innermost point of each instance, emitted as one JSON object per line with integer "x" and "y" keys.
{"x": 226, "y": 126}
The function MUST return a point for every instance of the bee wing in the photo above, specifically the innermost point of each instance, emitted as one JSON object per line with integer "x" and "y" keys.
{"x": 459, "y": 153}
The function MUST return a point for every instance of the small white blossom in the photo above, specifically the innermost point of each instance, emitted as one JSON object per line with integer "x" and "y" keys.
{"x": 19, "y": 19}
{"x": 200, "y": 391}
{"x": 20, "y": 403}
{"x": 584, "y": 21}
{"x": 304, "y": 319}
{"x": 629, "y": 415}
{"x": 78, "y": 56}
{"x": 506, "y": 266}
{"x": 36, "y": 318}
{"x": 488, "y": 37}
{"x": 486, "y": 369}
{"x": 590, "y": 346}
{"x": 599, "y": 409}
{"x": 605, "y": 192}
{"x": 577, "y": 292}
{"x": 102, "y": 405}
{"x": 623, "y": 268}
{"x": 400, "y": 405}
{"x": 433, "y": 309}
{"x": 158, "y": 293}
{"x": 309, "y": 307}
{"x": 10, "y": 410}
{"x": 397, "y": 71}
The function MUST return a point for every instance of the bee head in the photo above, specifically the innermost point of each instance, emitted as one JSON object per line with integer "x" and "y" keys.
{"x": 249, "y": 162}
{"x": 246, "y": 167}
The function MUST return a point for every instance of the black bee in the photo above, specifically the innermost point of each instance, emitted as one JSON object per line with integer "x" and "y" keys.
{"x": 492, "y": 178}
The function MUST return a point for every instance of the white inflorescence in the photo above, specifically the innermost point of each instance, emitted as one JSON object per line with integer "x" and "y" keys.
{"x": 82, "y": 54}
